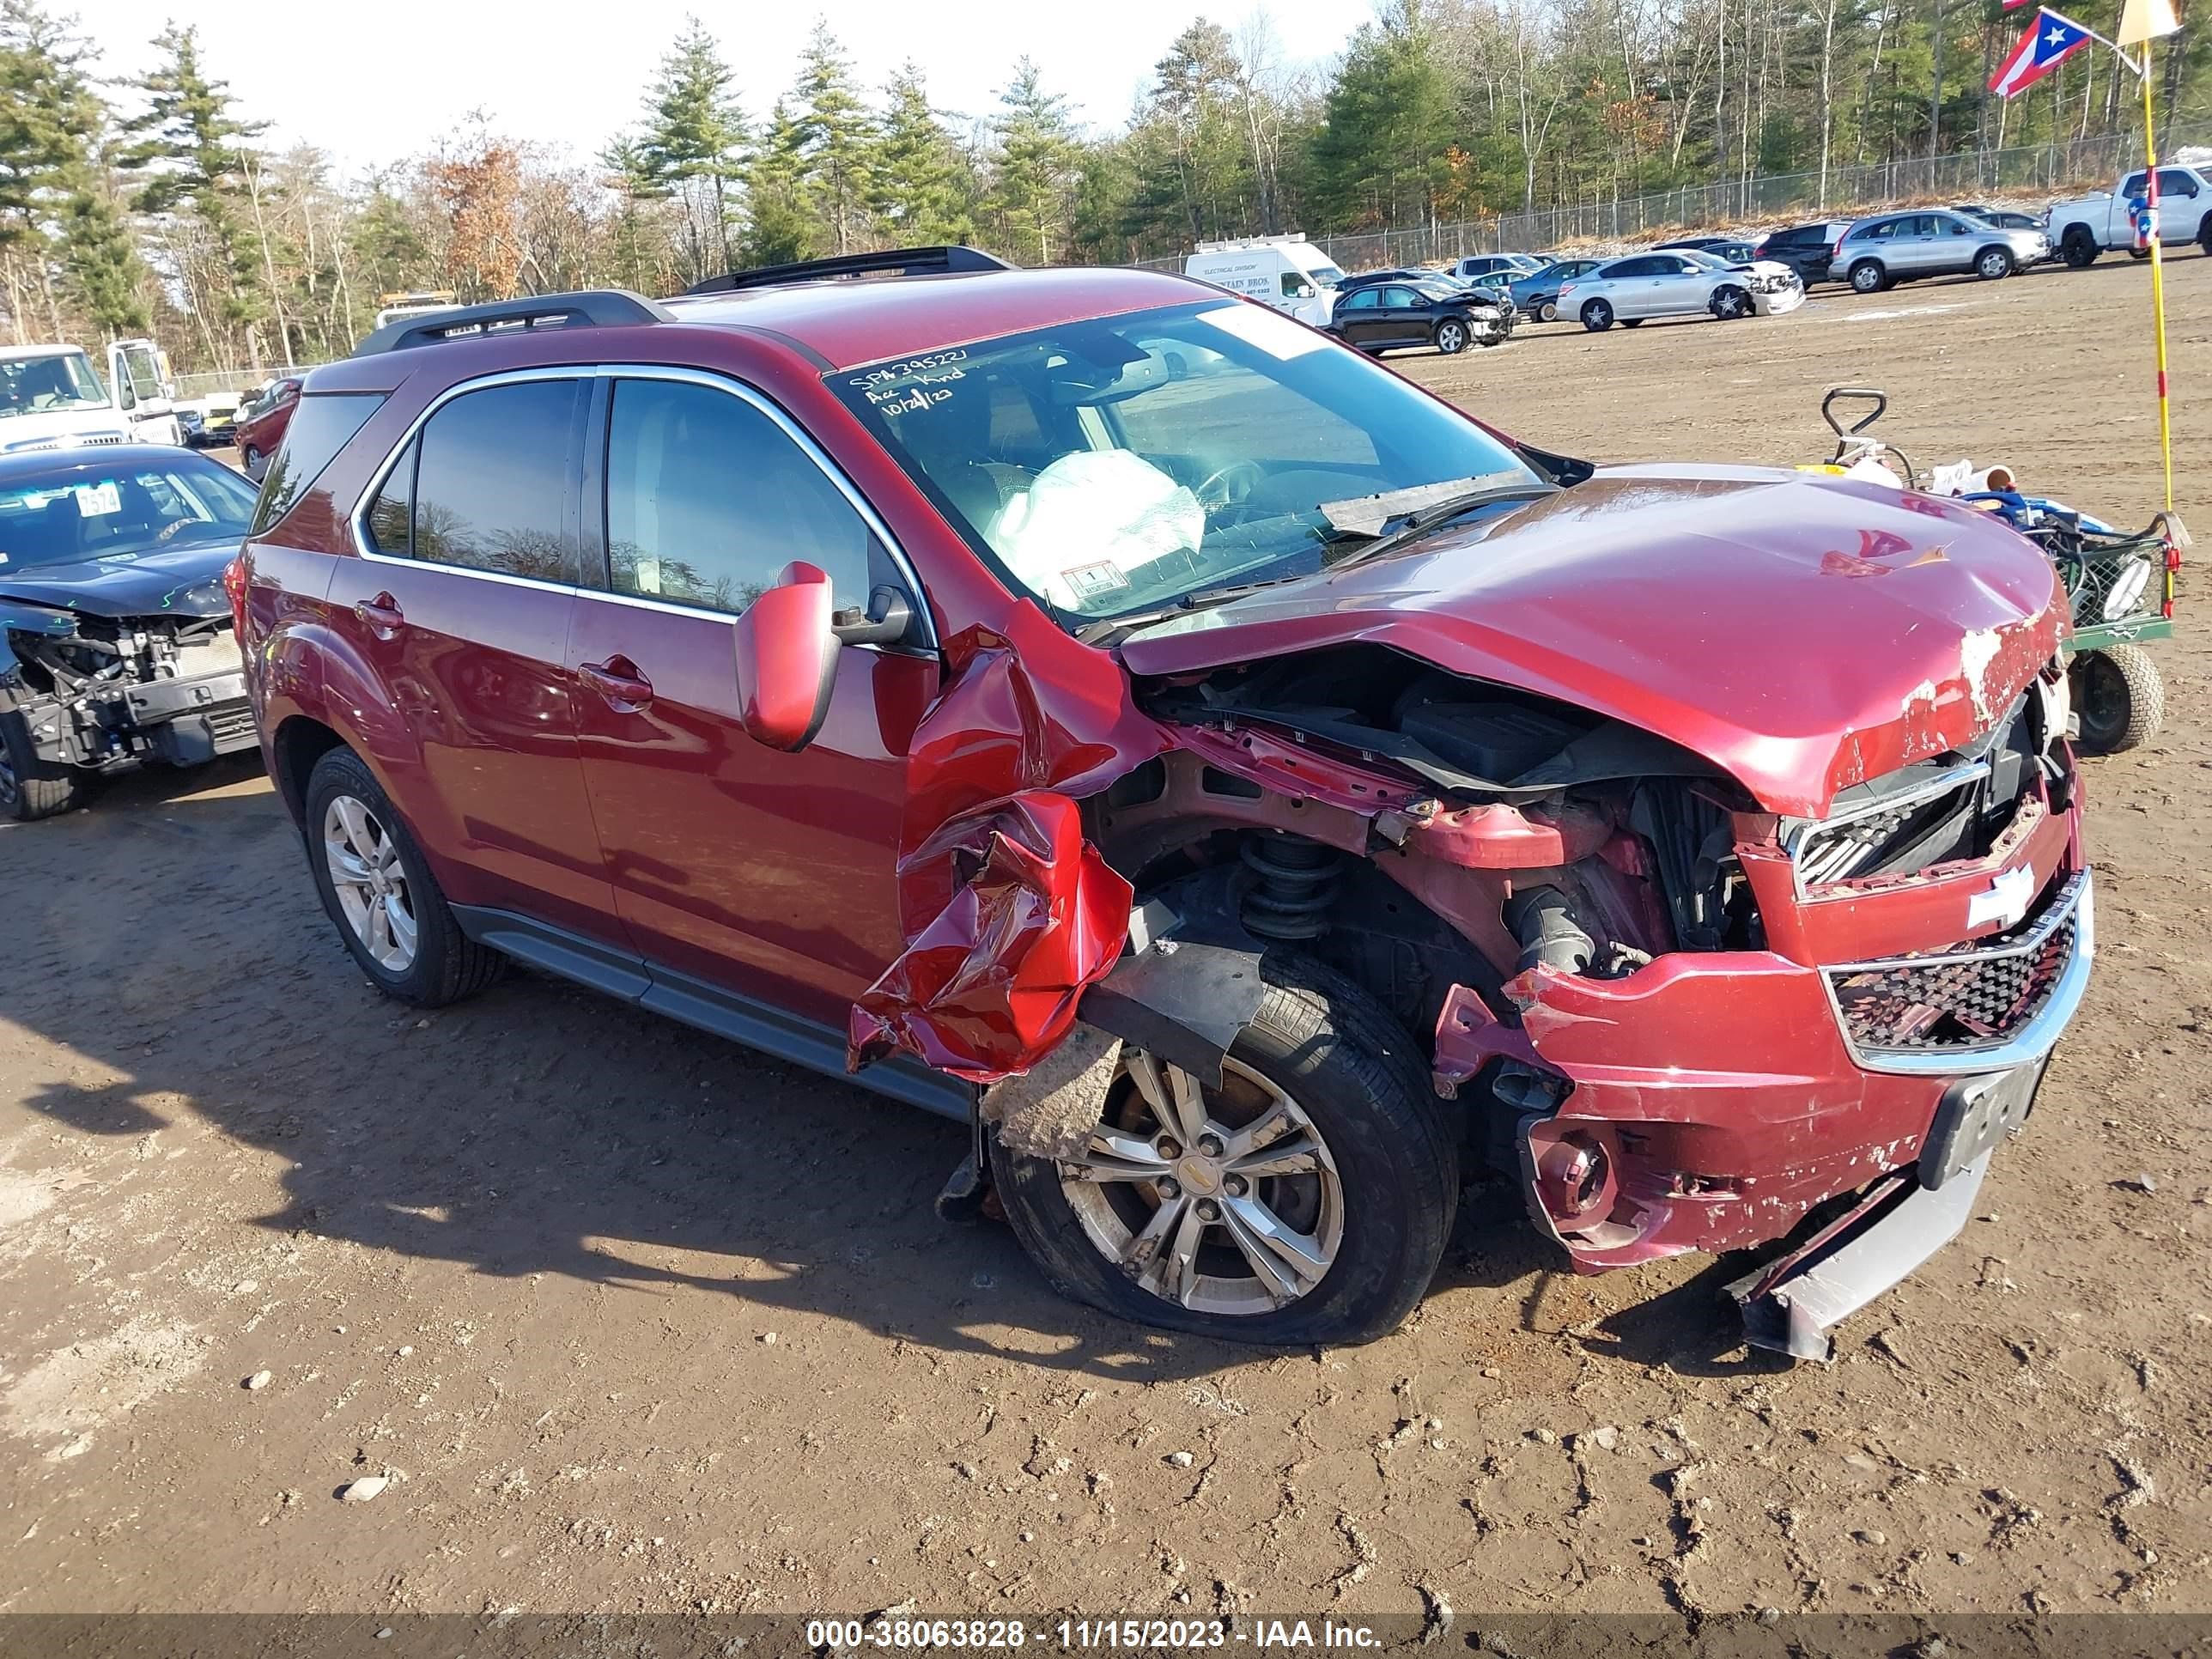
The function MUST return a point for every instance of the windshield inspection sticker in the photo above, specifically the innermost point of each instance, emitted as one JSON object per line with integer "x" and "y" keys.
{"x": 1272, "y": 332}
{"x": 1095, "y": 581}
{"x": 97, "y": 501}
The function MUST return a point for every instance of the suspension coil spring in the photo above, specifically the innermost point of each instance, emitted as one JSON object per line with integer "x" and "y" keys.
{"x": 1294, "y": 883}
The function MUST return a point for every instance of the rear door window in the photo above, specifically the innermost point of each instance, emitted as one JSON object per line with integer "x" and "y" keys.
{"x": 321, "y": 426}
{"x": 494, "y": 481}
{"x": 2173, "y": 181}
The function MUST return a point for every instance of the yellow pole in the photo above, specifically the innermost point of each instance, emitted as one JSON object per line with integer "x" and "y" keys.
{"x": 2157, "y": 278}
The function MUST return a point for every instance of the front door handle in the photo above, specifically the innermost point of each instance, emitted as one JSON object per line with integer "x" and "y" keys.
{"x": 382, "y": 616}
{"x": 620, "y": 681}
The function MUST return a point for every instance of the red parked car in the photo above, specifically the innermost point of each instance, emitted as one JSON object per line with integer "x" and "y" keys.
{"x": 260, "y": 428}
{"x": 1241, "y": 785}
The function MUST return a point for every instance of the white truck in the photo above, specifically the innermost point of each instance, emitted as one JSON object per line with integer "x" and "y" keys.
{"x": 1288, "y": 272}
{"x": 51, "y": 398}
{"x": 2082, "y": 229}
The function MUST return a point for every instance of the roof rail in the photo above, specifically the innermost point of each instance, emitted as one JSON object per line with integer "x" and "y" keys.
{"x": 598, "y": 307}
{"x": 895, "y": 262}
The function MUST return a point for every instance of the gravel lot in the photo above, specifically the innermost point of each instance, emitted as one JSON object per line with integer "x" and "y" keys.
{"x": 637, "y": 1321}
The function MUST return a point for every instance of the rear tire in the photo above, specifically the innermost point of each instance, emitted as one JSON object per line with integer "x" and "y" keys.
{"x": 1597, "y": 316}
{"x": 1631, "y": 322}
{"x": 444, "y": 964}
{"x": 1548, "y": 312}
{"x": 2120, "y": 696}
{"x": 250, "y": 463}
{"x": 1868, "y": 277}
{"x": 30, "y": 788}
{"x": 1356, "y": 1077}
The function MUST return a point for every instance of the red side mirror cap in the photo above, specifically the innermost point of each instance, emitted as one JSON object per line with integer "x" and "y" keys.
{"x": 787, "y": 659}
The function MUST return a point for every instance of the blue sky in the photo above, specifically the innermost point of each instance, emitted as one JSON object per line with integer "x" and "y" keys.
{"x": 372, "y": 82}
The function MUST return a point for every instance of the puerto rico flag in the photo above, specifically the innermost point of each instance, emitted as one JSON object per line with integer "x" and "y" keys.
{"x": 2039, "y": 51}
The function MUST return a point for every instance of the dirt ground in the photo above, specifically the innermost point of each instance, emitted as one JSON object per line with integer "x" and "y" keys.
{"x": 635, "y": 1320}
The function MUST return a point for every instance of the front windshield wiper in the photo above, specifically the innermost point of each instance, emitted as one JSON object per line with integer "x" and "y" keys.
{"x": 1412, "y": 526}
{"x": 1129, "y": 622}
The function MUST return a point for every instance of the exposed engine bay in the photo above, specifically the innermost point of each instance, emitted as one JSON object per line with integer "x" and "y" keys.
{"x": 103, "y": 692}
{"x": 1579, "y": 842}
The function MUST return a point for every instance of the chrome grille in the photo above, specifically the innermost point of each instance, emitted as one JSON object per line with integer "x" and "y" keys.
{"x": 1934, "y": 813}
{"x": 1962, "y": 1000}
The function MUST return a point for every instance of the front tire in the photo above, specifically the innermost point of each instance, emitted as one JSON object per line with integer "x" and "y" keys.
{"x": 1730, "y": 302}
{"x": 2078, "y": 248}
{"x": 1993, "y": 265}
{"x": 1868, "y": 277}
{"x": 2120, "y": 696}
{"x": 30, "y": 788}
{"x": 1315, "y": 1210}
{"x": 1597, "y": 316}
{"x": 378, "y": 890}
{"x": 1451, "y": 337}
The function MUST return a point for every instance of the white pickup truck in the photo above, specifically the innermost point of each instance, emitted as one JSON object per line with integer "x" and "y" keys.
{"x": 50, "y": 397}
{"x": 2082, "y": 229}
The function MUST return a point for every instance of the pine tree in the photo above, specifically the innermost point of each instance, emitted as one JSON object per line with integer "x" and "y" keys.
{"x": 918, "y": 187}
{"x": 692, "y": 145}
{"x": 1033, "y": 165}
{"x": 837, "y": 137}
{"x": 194, "y": 151}
{"x": 1379, "y": 158}
{"x": 782, "y": 226}
{"x": 57, "y": 205}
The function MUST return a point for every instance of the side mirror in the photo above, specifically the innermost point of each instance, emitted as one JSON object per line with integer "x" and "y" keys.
{"x": 787, "y": 659}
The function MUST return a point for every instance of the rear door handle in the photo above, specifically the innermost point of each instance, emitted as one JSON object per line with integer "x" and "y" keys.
{"x": 382, "y": 616}
{"x": 619, "y": 682}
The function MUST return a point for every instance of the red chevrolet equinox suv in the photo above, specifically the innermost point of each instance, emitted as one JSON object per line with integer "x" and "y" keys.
{"x": 1242, "y": 787}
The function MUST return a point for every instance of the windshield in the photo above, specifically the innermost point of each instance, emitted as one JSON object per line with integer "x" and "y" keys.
{"x": 1327, "y": 276}
{"x": 49, "y": 386}
{"x": 92, "y": 510}
{"x": 1120, "y": 464}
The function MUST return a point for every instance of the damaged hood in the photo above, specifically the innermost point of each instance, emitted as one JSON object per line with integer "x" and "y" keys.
{"x": 184, "y": 581}
{"x": 1802, "y": 631}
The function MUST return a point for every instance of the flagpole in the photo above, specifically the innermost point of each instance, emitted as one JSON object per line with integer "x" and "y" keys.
{"x": 2157, "y": 274}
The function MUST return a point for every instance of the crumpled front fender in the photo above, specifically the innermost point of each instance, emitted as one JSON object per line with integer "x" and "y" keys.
{"x": 1009, "y": 913}
{"x": 991, "y": 984}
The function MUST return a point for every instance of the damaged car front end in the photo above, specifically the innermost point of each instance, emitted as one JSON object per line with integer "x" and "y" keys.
{"x": 1706, "y": 839}
{"x": 117, "y": 645}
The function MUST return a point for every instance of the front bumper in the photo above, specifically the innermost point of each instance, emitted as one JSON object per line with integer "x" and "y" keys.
{"x": 183, "y": 722}
{"x": 1714, "y": 1100}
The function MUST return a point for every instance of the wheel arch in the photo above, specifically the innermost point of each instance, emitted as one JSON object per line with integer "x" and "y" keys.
{"x": 299, "y": 741}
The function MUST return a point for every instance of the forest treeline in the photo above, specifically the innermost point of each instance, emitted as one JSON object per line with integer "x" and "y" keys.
{"x": 157, "y": 203}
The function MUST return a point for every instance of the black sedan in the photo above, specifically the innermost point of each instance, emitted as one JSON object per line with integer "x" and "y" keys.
{"x": 116, "y": 643}
{"x": 1386, "y": 316}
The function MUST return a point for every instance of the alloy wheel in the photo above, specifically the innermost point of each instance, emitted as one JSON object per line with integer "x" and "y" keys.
{"x": 1450, "y": 337}
{"x": 370, "y": 881}
{"x": 1223, "y": 1201}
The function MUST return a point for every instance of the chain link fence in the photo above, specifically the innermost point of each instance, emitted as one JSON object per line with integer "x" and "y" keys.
{"x": 1962, "y": 176}
{"x": 206, "y": 383}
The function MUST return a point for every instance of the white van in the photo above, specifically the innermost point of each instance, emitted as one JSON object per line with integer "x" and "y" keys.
{"x": 50, "y": 397}
{"x": 1288, "y": 272}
